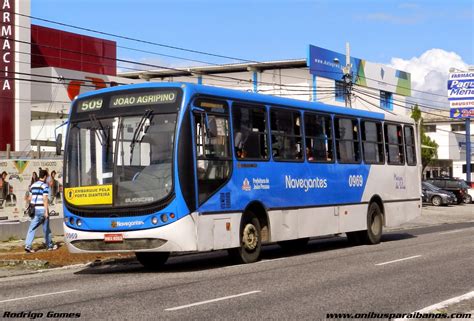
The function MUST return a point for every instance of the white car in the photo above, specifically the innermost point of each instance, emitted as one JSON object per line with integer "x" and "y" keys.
{"x": 469, "y": 196}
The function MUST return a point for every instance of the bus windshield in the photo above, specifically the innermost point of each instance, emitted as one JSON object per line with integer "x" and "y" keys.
{"x": 132, "y": 155}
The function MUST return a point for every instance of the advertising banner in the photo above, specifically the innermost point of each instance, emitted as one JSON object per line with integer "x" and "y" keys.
{"x": 460, "y": 113}
{"x": 328, "y": 64}
{"x": 461, "y": 90}
{"x": 16, "y": 180}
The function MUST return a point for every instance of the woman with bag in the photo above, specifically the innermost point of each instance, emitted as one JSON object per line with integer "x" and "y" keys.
{"x": 39, "y": 201}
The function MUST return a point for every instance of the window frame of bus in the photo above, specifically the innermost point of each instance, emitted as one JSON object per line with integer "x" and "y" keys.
{"x": 413, "y": 146}
{"x": 286, "y": 110}
{"x": 247, "y": 105}
{"x": 387, "y": 143}
{"x": 225, "y": 113}
{"x": 331, "y": 138}
{"x": 381, "y": 142}
{"x": 336, "y": 117}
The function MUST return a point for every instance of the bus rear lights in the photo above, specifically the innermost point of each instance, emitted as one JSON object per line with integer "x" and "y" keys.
{"x": 79, "y": 222}
{"x": 71, "y": 220}
{"x": 154, "y": 220}
{"x": 164, "y": 218}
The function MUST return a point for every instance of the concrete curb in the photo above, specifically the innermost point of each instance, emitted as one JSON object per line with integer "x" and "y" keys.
{"x": 26, "y": 263}
{"x": 66, "y": 267}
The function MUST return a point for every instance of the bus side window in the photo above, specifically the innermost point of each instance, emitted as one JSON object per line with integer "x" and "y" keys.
{"x": 394, "y": 144}
{"x": 347, "y": 140}
{"x": 372, "y": 142}
{"x": 318, "y": 137}
{"x": 410, "y": 145}
{"x": 250, "y": 131}
{"x": 286, "y": 134}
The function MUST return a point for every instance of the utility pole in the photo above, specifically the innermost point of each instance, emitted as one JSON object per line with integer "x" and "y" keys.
{"x": 347, "y": 78}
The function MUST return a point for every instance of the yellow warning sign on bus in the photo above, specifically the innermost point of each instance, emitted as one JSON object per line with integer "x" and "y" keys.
{"x": 89, "y": 195}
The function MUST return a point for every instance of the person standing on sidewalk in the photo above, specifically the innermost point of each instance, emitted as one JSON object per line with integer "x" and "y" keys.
{"x": 39, "y": 199}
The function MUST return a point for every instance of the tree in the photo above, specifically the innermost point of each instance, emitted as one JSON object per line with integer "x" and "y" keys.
{"x": 429, "y": 148}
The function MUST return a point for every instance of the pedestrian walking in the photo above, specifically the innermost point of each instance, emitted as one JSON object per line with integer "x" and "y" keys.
{"x": 39, "y": 199}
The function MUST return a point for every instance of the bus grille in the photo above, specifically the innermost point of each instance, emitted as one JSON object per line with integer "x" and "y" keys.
{"x": 126, "y": 245}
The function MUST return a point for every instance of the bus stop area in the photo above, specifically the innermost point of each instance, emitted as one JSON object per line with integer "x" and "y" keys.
{"x": 13, "y": 259}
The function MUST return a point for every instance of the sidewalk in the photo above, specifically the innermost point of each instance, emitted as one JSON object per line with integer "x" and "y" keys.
{"x": 15, "y": 261}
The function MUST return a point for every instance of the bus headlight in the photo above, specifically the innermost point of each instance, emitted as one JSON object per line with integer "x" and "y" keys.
{"x": 79, "y": 222}
{"x": 164, "y": 218}
{"x": 154, "y": 220}
{"x": 71, "y": 220}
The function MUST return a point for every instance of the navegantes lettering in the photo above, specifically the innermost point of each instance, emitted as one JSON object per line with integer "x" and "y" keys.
{"x": 305, "y": 183}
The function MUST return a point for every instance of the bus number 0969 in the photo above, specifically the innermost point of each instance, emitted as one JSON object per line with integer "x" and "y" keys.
{"x": 356, "y": 180}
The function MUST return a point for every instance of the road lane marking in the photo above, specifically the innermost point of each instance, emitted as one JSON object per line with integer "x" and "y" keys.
{"x": 443, "y": 304}
{"x": 394, "y": 261}
{"x": 271, "y": 260}
{"x": 454, "y": 231}
{"x": 259, "y": 262}
{"x": 211, "y": 301}
{"x": 37, "y": 295}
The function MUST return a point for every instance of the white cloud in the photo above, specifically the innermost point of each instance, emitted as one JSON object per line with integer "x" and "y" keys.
{"x": 390, "y": 18}
{"x": 429, "y": 74}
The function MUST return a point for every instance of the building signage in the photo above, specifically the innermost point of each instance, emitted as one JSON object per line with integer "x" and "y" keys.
{"x": 7, "y": 69}
{"x": 328, "y": 64}
{"x": 462, "y": 113}
{"x": 461, "y": 91}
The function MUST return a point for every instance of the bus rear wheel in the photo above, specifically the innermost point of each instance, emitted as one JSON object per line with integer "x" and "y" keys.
{"x": 373, "y": 234}
{"x": 152, "y": 260}
{"x": 250, "y": 241}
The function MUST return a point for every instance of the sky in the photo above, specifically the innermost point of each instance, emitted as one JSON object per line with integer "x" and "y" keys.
{"x": 425, "y": 38}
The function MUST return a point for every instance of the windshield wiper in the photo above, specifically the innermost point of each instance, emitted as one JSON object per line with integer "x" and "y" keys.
{"x": 146, "y": 116}
{"x": 99, "y": 130}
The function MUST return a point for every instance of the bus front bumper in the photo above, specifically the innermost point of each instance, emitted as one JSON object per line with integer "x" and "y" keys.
{"x": 176, "y": 237}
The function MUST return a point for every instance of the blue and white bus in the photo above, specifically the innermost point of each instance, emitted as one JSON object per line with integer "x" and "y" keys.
{"x": 157, "y": 168}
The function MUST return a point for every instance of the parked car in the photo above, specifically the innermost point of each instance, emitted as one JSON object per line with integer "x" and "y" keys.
{"x": 469, "y": 196}
{"x": 457, "y": 186}
{"x": 436, "y": 196}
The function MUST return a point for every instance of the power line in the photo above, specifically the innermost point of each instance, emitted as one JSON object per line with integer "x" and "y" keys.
{"x": 399, "y": 105}
{"x": 190, "y": 50}
{"x": 419, "y": 104}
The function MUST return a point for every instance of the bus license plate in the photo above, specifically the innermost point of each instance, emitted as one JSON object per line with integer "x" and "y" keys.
{"x": 113, "y": 238}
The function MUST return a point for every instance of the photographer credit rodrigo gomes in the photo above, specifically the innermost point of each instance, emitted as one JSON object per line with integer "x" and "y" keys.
{"x": 40, "y": 315}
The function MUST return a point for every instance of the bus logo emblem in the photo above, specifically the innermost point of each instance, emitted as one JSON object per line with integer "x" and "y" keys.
{"x": 113, "y": 224}
{"x": 246, "y": 185}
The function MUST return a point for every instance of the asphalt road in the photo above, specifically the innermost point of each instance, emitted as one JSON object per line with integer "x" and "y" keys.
{"x": 409, "y": 270}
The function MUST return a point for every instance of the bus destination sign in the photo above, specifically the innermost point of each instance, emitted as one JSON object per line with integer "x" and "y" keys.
{"x": 93, "y": 104}
{"x": 164, "y": 97}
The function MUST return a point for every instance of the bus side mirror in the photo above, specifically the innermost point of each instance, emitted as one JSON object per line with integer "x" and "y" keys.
{"x": 59, "y": 144}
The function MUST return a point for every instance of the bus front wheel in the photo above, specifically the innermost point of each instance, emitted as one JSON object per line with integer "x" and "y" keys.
{"x": 152, "y": 260}
{"x": 250, "y": 241}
